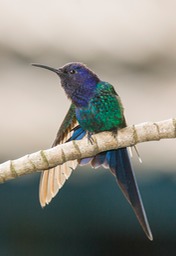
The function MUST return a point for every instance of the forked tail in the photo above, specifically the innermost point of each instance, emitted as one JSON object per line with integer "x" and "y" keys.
{"x": 119, "y": 163}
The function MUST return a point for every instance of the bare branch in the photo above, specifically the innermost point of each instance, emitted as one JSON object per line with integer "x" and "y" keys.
{"x": 126, "y": 137}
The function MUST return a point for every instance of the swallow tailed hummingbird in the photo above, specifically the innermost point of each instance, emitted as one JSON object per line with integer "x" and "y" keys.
{"x": 95, "y": 107}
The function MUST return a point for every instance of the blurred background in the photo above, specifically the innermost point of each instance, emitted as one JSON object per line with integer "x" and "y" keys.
{"x": 132, "y": 45}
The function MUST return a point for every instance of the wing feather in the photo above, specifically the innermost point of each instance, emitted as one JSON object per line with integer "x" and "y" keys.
{"x": 53, "y": 179}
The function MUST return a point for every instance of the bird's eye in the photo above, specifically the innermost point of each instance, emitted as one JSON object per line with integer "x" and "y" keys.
{"x": 72, "y": 71}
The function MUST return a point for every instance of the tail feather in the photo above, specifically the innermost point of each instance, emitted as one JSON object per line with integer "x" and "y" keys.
{"x": 98, "y": 160}
{"x": 85, "y": 161}
{"x": 120, "y": 165}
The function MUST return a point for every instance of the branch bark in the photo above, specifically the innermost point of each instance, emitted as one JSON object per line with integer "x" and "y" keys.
{"x": 103, "y": 141}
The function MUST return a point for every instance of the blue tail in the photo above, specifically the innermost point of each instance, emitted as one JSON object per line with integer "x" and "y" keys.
{"x": 119, "y": 163}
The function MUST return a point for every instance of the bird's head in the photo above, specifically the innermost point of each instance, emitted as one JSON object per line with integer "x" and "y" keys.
{"x": 76, "y": 79}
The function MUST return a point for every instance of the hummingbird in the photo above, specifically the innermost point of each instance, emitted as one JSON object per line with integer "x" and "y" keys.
{"x": 95, "y": 107}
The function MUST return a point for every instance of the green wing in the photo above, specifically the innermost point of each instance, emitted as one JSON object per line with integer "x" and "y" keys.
{"x": 67, "y": 125}
{"x": 53, "y": 179}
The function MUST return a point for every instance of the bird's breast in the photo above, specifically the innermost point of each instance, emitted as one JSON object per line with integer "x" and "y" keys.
{"x": 103, "y": 113}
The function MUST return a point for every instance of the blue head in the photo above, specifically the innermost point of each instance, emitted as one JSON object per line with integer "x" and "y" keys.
{"x": 78, "y": 81}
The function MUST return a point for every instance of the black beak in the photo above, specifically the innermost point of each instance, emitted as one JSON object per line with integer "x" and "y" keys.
{"x": 57, "y": 71}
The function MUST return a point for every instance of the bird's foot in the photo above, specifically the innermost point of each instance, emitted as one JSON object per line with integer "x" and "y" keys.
{"x": 114, "y": 133}
{"x": 90, "y": 139}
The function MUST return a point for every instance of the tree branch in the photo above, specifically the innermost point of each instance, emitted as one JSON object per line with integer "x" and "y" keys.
{"x": 103, "y": 141}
